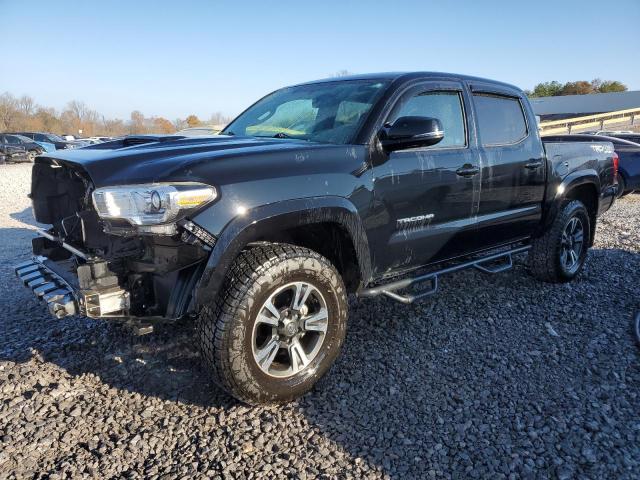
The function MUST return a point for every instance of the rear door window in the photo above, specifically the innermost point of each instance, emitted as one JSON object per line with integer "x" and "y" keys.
{"x": 501, "y": 119}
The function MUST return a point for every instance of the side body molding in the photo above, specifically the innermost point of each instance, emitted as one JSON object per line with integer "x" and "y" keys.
{"x": 261, "y": 221}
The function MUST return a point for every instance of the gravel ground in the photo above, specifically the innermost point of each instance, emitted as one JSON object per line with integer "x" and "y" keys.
{"x": 496, "y": 377}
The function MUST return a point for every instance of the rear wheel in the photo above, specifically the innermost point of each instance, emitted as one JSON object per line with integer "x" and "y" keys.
{"x": 621, "y": 186}
{"x": 559, "y": 254}
{"x": 277, "y": 325}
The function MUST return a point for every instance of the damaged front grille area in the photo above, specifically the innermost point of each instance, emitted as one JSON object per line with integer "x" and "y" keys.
{"x": 63, "y": 299}
{"x": 48, "y": 286}
{"x": 107, "y": 268}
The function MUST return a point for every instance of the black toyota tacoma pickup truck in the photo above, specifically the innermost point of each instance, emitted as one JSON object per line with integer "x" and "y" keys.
{"x": 371, "y": 185}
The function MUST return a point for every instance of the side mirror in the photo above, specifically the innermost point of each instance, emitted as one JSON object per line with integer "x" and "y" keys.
{"x": 411, "y": 132}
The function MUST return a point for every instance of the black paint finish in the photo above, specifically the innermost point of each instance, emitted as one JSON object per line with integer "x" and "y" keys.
{"x": 401, "y": 210}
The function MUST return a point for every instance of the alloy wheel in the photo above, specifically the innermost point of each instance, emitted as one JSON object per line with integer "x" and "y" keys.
{"x": 572, "y": 244}
{"x": 290, "y": 329}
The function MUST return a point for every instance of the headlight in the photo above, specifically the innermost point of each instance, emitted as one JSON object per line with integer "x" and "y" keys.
{"x": 151, "y": 204}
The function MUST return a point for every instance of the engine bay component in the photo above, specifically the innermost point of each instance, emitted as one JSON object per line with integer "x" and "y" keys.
{"x": 108, "y": 302}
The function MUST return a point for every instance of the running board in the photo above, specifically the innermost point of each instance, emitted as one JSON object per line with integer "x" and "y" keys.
{"x": 390, "y": 289}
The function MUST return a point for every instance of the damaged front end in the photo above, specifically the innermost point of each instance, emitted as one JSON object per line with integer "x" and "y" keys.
{"x": 124, "y": 252}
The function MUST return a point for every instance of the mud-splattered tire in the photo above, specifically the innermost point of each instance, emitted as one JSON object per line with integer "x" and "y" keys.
{"x": 547, "y": 258}
{"x": 227, "y": 329}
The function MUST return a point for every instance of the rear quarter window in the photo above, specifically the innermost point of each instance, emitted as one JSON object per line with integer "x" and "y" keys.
{"x": 500, "y": 119}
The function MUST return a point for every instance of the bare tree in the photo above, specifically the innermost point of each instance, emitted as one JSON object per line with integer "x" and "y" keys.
{"x": 179, "y": 124}
{"x": 136, "y": 125}
{"x": 26, "y": 105}
{"x": 218, "y": 118}
{"x": 24, "y": 114}
{"x": 8, "y": 111}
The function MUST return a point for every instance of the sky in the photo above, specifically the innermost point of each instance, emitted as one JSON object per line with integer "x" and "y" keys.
{"x": 172, "y": 59}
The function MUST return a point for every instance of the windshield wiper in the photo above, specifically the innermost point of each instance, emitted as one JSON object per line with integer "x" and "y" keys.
{"x": 282, "y": 135}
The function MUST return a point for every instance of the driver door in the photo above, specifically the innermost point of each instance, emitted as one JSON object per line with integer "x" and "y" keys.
{"x": 425, "y": 199}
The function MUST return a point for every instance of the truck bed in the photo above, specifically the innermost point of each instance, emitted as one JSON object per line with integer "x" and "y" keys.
{"x": 568, "y": 160}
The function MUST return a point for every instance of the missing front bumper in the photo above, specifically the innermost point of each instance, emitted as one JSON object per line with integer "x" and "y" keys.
{"x": 64, "y": 300}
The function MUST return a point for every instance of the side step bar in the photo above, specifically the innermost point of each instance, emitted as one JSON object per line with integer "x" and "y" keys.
{"x": 390, "y": 289}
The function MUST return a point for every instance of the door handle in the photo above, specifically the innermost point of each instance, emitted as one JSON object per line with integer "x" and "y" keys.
{"x": 533, "y": 164}
{"x": 468, "y": 171}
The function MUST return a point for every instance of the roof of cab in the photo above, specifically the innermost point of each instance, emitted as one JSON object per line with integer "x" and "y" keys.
{"x": 392, "y": 76}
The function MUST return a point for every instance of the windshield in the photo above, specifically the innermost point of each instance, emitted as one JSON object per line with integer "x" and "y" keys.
{"x": 321, "y": 112}
{"x": 53, "y": 138}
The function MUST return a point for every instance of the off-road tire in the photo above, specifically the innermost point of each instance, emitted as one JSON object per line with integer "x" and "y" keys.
{"x": 621, "y": 187}
{"x": 544, "y": 260}
{"x": 224, "y": 328}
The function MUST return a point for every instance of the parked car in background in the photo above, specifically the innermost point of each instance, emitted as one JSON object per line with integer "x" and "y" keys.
{"x": 611, "y": 133}
{"x": 628, "y": 154}
{"x": 58, "y": 141}
{"x": 95, "y": 140}
{"x": 13, "y": 150}
{"x": 199, "y": 131}
{"x": 47, "y": 146}
{"x": 69, "y": 138}
{"x": 631, "y": 137}
{"x": 89, "y": 141}
{"x": 32, "y": 147}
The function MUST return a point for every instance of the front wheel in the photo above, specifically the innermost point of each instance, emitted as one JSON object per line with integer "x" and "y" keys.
{"x": 277, "y": 325}
{"x": 31, "y": 155}
{"x": 559, "y": 254}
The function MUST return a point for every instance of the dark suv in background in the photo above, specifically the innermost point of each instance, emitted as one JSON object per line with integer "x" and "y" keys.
{"x": 21, "y": 143}
{"x": 59, "y": 142}
{"x": 12, "y": 150}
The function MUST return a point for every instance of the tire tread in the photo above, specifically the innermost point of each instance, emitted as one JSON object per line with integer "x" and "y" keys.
{"x": 543, "y": 254}
{"x": 215, "y": 322}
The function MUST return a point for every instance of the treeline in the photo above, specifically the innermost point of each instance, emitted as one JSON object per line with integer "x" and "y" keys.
{"x": 581, "y": 87}
{"x": 23, "y": 114}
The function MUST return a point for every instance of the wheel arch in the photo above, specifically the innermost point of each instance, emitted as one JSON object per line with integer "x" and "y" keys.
{"x": 585, "y": 187}
{"x": 329, "y": 225}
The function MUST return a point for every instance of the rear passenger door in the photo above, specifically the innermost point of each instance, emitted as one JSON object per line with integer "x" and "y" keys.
{"x": 513, "y": 166}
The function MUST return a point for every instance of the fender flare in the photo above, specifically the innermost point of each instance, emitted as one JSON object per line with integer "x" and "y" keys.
{"x": 278, "y": 216}
{"x": 576, "y": 179}
{"x": 569, "y": 183}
